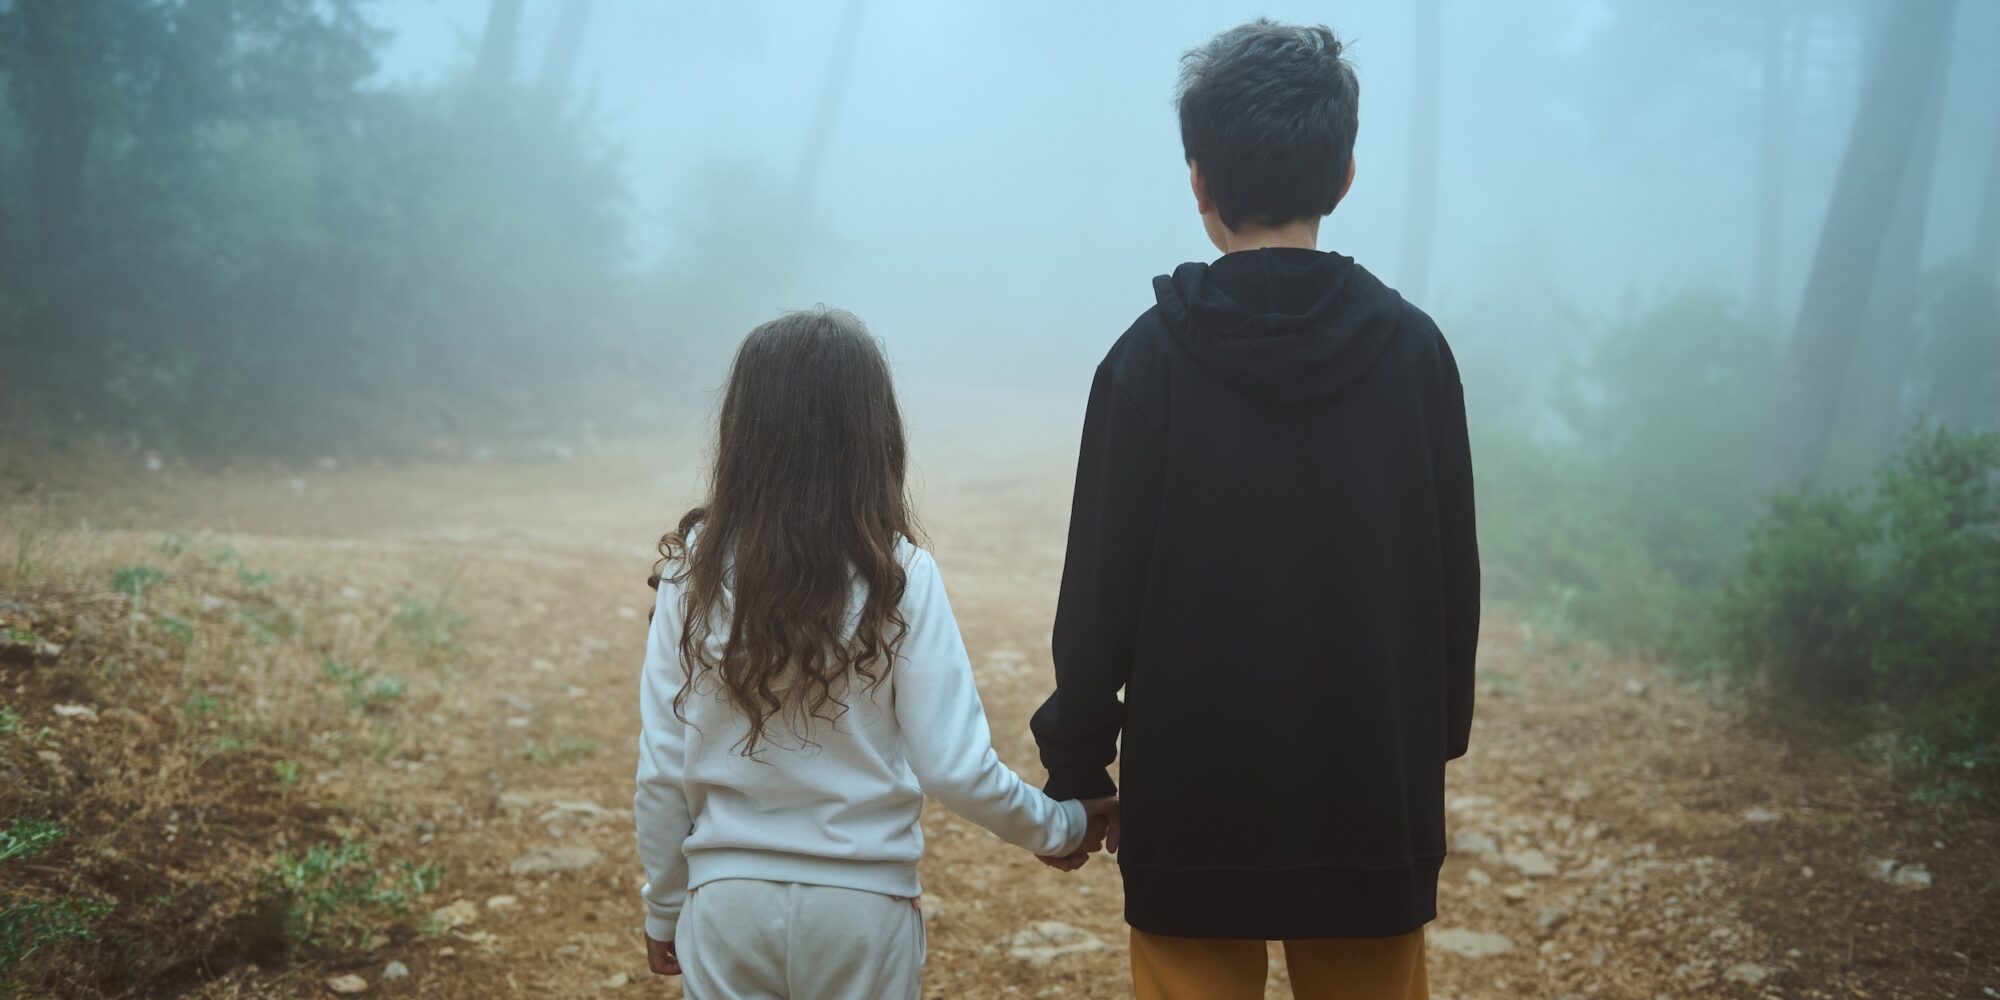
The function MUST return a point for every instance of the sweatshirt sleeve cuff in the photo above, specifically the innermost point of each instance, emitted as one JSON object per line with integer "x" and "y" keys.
{"x": 1080, "y": 783}
{"x": 1077, "y": 822}
{"x": 660, "y": 928}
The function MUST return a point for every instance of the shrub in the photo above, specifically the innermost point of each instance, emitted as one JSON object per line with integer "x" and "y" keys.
{"x": 1798, "y": 609}
{"x": 1889, "y": 597}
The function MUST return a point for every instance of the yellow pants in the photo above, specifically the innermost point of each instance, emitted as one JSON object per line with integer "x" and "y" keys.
{"x": 1171, "y": 968}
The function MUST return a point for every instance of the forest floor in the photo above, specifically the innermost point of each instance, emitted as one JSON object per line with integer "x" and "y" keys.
{"x": 1617, "y": 832}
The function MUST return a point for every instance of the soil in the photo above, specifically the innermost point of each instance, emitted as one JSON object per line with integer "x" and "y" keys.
{"x": 1619, "y": 832}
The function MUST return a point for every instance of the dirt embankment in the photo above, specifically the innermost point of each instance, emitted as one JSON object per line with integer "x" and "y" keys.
{"x": 264, "y": 732}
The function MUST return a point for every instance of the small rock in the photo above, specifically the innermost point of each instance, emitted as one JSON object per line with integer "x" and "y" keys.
{"x": 1759, "y": 814}
{"x": 1515, "y": 893}
{"x": 502, "y": 903}
{"x": 588, "y": 810}
{"x": 540, "y": 665}
{"x": 1550, "y": 919}
{"x": 630, "y": 614}
{"x": 1048, "y": 940}
{"x": 1908, "y": 876}
{"x": 210, "y": 602}
{"x": 1636, "y": 688}
{"x": 298, "y": 485}
{"x": 1533, "y": 864}
{"x": 395, "y": 970}
{"x": 459, "y": 914}
{"x": 1748, "y": 973}
{"x": 1473, "y": 842}
{"x": 48, "y": 756}
{"x": 327, "y": 463}
{"x": 1470, "y": 944}
{"x": 1478, "y": 876}
{"x": 616, "y": 980}
{"x": 84, "y": 712}
{"x": 544, "y": 860}
{"x": 349, "y": 983}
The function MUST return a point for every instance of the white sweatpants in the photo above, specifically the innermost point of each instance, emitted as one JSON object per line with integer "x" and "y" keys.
{"x": 747, "y": 939}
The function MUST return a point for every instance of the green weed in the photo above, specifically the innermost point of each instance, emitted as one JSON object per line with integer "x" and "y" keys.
{"x": 29, "y": 925}
{"x": 25, "y": 838}
{"x": 136, "y": 580}
{"x": 559, "y": 751}
{"x": 366, "y": 691}
{"x": 177, "y": 628}
{"x": 333, "y": 894}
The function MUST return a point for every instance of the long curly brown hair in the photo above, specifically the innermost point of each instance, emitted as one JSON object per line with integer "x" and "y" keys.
{"x": 806, "y": 498}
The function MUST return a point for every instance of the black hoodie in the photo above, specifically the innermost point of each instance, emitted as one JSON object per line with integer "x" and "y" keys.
{"x": 1271, "y": 551}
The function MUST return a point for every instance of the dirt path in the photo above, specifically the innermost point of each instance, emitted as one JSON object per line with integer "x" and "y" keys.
{"x": 1617, "y": 833}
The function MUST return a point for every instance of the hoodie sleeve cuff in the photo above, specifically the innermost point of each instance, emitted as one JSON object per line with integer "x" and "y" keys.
{"x": 661, "y": 928}
{"x": 1080, "y": 783}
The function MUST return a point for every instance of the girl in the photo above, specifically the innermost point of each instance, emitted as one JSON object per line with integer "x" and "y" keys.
{"x": 805, "y": 686}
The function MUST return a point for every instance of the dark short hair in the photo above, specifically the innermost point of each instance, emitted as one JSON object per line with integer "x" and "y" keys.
{"x": 1269, "y": 111}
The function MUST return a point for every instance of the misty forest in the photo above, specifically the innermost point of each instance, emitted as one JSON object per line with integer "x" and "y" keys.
{"x": 353, "y": 356}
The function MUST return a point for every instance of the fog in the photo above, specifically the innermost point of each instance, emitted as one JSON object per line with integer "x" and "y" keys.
{"x": 992, "y": 186}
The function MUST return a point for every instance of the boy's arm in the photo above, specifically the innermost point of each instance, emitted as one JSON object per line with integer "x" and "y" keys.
{"x": 660, "y": 804}
{"x": 1112, "y": 522}
{"x": 1458, "y": 530}
{"x": 950, "y": 747}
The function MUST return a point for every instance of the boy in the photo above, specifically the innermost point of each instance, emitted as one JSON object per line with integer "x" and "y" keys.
{"x": 1271, "y": 551}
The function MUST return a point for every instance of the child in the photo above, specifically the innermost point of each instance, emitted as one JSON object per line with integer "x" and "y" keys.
{"x": 1271, "y": 552}
{"x": 804, "y": 688}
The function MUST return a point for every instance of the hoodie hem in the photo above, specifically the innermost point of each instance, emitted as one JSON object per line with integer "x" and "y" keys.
{"x": 1282, "y": 904}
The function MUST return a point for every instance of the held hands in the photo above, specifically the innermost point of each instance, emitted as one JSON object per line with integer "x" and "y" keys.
{"x": 1100, "y": 833}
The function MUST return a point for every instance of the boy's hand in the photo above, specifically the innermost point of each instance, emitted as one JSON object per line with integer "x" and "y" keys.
{"x": 1100, "y": 831}
{"x": 660, "y": 955}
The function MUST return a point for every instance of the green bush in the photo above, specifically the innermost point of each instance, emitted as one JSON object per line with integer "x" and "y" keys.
{"x": 1889, "y": 597}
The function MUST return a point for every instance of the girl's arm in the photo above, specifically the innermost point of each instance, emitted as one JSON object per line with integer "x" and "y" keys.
{"x": 660, "y": 804}
{"x": 944, "y": 729}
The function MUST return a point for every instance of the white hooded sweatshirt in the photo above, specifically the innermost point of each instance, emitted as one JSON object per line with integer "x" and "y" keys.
{"x": 840, "y": 807}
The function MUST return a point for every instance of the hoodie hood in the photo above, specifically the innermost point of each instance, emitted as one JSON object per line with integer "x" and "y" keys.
{"x": 1284, "y": 326}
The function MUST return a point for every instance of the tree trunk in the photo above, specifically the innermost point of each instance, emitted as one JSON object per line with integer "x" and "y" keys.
{"x": 60, "y": 119}
{"x": 1887, "y": 120}
{"x": 559, "y": 61}
{"x": 812, "y": 155}
{"x": 496, "y": 46}
{"x": 1420, "y": 206}
{"x": 1986, "y": 233}
{"x": 1888, "y": 338}
{"x": 1771, "y": 142}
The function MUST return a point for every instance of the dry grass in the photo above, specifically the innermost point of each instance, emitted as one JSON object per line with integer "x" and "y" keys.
{"x": 185, "y": 717}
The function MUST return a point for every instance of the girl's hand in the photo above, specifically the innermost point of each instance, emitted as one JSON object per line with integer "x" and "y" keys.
{"x": 660, "y": 955}
{"x": 1099, "y": 832}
